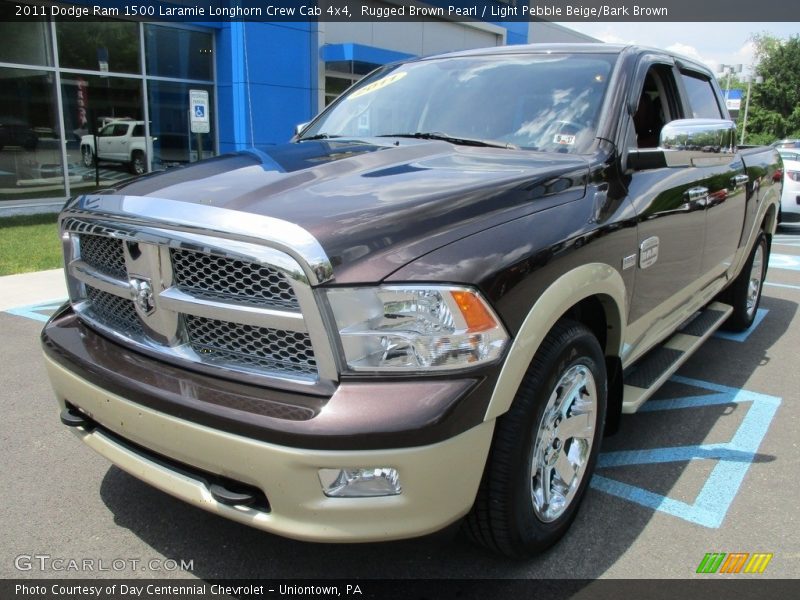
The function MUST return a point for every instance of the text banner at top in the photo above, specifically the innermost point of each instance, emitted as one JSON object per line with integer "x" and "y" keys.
{"x": 490, "y": 11}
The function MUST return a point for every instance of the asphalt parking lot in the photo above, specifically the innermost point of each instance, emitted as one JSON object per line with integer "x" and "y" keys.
{"x": 710, "y": 465}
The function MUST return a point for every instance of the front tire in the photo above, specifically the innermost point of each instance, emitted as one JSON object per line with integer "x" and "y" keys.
{"x": 138, "y": 163}
{"x": 88, "y": 157}
{"x": 545, "y": 447}
{"x": 745, "y": 292}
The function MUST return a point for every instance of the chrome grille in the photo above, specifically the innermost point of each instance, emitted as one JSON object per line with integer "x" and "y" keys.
{"x": 202, "y": 298}
{"x": 257, "y": 347}
{"x": 114, "y": 312}
{"x": 104, "y": 254}
{"x": 221, "y": 278}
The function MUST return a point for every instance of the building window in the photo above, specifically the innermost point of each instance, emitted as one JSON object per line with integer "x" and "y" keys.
{"x": 30, "y": 143}
{"x": 173, "y": 142}
{"x": 337, "y": 83}
{"x": 105, "y": 105}
{"x": 24, "y": 42}
{"x": 178, "y": 53}
{"x": 99, "y": 46}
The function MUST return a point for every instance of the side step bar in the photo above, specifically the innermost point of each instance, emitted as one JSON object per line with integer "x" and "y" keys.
{"x": 641, "y": 380}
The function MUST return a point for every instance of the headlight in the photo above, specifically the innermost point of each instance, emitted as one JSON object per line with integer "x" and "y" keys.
{"x": 409, "y": 328}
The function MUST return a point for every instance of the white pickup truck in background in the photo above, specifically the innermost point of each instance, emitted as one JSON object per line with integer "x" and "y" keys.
{"x": 121, "y": 141}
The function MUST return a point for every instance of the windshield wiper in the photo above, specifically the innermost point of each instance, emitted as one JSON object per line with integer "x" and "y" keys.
{"x": 453, "y": 139}
{"x": 318, "y": 136}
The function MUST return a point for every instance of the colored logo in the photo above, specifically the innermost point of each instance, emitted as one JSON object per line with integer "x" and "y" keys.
{"x": 735, "y": 562}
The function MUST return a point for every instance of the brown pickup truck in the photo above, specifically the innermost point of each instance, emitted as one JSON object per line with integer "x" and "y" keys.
{"x": 429, "y": 306}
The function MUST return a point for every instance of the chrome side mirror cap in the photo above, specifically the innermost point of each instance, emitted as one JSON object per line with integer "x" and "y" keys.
{"x": 698, "y": 142}
{"x": 688, "y": 143}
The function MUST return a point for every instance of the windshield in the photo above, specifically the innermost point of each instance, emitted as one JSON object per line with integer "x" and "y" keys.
{"x": 545, "y": 102}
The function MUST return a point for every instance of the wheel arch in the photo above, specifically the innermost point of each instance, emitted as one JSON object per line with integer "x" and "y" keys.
{"x": 770, "y": 222}
{"x": 593, "y": 294}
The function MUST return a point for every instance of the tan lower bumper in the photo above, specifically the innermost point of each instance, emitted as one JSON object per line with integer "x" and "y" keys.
{"x": 439, "y": 481}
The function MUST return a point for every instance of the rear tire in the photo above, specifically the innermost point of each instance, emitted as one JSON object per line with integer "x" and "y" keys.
{"x": 744, "y": 293}
{"x": 545, "y": 447}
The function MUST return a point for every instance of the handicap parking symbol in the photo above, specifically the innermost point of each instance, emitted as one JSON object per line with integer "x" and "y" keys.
{"x": 200, "y": 111}
{"x": 733, "y": 458}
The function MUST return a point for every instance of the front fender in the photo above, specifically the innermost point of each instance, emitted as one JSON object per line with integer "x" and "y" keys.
{"x": 593, "y": 279}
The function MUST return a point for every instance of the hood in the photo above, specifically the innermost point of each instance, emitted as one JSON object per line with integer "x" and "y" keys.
{"x": 376, "y": 206}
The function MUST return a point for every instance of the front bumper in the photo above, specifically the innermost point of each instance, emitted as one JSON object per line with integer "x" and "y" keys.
{"x": 171, "y": 427}
{"x": 439, "y": 481}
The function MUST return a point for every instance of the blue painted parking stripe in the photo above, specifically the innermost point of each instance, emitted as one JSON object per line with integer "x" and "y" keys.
{"x": 733, "y": 458}
{"x": 743, "y": 335}
{"x": 626, "y": 458}
{"x": 657, "y": 502}
{"x": 34, "y": 311}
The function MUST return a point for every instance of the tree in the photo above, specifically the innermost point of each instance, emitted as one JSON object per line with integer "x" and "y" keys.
{"x": 775, "y": 104}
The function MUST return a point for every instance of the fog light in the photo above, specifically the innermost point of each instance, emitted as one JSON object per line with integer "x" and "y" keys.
{"x": 360, "y": 483}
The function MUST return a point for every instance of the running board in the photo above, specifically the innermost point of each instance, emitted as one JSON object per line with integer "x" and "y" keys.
{"x": 641, "y": 380}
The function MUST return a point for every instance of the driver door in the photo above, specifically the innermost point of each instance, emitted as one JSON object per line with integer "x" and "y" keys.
{"x": 671, "y": 218}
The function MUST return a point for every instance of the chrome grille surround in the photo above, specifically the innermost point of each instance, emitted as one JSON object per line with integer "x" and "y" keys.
{"x": 232, "y": 303}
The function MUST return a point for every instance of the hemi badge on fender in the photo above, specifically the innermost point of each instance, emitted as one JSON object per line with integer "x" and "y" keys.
{"x": 628, "y": 261}
{"x": 648, "y": 252}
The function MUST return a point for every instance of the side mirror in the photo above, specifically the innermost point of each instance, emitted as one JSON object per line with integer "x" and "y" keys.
{"x": 688, "y": 143}
{"x": 698, "y": 142}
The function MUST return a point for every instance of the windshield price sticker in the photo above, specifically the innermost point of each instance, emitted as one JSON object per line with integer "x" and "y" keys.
{"x": 376, "y": 85}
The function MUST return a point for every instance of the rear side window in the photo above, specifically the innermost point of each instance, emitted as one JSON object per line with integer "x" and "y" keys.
{"x": 702, "y": 100}
{"x": 138, "y": 131}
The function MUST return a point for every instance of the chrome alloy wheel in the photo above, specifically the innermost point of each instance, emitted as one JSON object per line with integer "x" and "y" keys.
{"x": 563, "y": 443}
{"x": 756, "y": 274}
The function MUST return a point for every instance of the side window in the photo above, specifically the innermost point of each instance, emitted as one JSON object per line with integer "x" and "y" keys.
{"x": 656, "y": 107}
{"x": 702, "y": 100}
{"x": 138, "y": 131}
{"x": 120, "y": 130}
